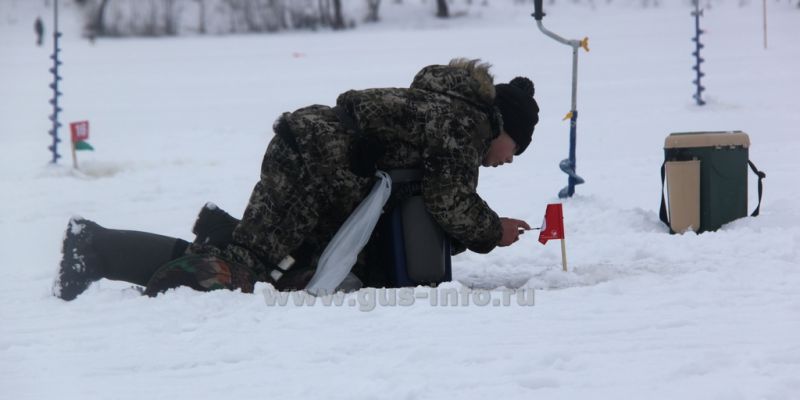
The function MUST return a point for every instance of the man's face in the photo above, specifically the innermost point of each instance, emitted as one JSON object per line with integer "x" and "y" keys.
{"x": 501, "y": 151}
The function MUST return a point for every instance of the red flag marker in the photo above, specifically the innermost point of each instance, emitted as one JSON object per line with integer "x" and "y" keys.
{"x": 80, "y": 135}
{"x": 553, "y": 228}
{"x": 79, "y": 130}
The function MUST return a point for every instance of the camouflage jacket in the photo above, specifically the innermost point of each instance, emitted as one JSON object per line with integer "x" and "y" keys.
{"x": 443, "y": 124}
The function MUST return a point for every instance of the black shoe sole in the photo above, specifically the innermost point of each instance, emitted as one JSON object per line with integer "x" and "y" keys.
{"x": 78, "y": 268}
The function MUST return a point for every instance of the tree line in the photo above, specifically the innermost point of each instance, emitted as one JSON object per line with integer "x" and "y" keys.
{"x": 110, "y": 18}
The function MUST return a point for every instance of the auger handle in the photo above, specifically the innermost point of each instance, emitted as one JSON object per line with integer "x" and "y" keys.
{"x": 538, "y": 14}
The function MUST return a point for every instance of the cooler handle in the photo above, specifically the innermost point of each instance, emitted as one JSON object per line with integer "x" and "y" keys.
{"x": 761, "y": 176}
{"x": 662, "y": 213}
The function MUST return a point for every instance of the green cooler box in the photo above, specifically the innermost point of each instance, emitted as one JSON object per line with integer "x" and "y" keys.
{"x": 706, "y": 180}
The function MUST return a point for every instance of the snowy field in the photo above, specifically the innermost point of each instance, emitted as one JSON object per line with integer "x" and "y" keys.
{"x": 642, "y": 314}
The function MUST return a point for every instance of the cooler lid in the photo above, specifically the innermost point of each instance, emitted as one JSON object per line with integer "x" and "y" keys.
{"x": 706, "y": 139}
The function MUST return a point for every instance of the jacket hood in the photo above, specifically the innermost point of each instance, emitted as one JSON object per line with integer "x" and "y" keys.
{"x": 468, "y": 80}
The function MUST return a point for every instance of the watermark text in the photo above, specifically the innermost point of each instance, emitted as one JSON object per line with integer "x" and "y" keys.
{"x": 368, "y": 299}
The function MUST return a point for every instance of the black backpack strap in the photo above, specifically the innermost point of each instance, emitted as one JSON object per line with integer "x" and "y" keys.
{"x": 761, "y": 176}
{"x": 365, "y": 150}
{"x": 663, "y": 212}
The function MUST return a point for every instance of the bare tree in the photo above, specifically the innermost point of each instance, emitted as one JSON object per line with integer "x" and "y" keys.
{"x": 279, "y": 10}
{"x": 338, "y": 18}
{"x": 146, "y": 25}
{"x": 201, "y": 16}
{"x": 97, "y": 26}
{"x": 372, "y": 11}
{"x": 441, "y": 9}
{"x": 170, "y": 17}
{"x": 167, "y": 17}
{"x": 325, "y": 12}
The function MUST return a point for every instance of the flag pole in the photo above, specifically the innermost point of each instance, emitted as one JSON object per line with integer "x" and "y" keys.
{"x": 765, "y": 23}
{"x": 553, "y": 228}
{"x": 74, "y": 156}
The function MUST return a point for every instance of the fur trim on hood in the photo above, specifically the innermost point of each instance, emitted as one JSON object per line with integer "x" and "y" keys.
{"x": 469, "y": 80}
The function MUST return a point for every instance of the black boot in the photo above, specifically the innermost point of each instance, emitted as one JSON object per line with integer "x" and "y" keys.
{"x": 214, "y": 226}
{"x": 91, "y": 252}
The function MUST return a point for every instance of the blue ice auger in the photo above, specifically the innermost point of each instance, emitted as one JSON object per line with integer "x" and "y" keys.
{"x": 567, "y": 165}
{"x": 56, "y": 94}
{"x": 697, "y": 13}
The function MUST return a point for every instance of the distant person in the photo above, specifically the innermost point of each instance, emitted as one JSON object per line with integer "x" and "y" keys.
{"x": 38, "y": 27}
{"x": 317, "y": 168}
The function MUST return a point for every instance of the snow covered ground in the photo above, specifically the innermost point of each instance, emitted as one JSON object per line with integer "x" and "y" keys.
{"x": 181, "y": 121}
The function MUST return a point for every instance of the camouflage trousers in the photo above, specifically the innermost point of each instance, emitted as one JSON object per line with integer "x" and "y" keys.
{"x": 305, "y": 193}
{"x": 201, "y": 272}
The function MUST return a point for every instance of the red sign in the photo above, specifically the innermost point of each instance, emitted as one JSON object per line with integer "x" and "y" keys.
{"x": 80, "y": 131}
{"x": 553, "y": 226}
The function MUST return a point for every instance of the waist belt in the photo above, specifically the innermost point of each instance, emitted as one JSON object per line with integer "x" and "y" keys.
{"x": 405, "y": 175}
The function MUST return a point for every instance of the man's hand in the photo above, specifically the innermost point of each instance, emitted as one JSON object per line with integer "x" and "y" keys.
{"x": 512, "y": 228}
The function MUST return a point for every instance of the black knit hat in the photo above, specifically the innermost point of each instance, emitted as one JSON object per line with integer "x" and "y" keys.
{"x": 519, "y": 110}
